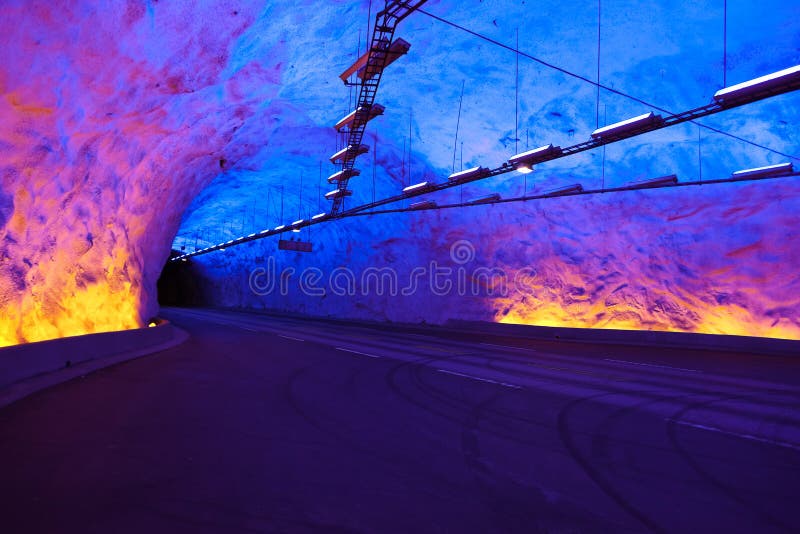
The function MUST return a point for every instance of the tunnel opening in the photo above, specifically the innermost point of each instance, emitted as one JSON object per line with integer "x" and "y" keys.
{"x": 180, "y": 284}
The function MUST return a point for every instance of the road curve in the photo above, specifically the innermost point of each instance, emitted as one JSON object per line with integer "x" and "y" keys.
{"x": 267, "y": 424}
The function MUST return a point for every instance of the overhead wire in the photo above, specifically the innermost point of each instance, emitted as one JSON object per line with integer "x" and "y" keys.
{"x": 597, "y": 84}
{"x": 581, "y": 192}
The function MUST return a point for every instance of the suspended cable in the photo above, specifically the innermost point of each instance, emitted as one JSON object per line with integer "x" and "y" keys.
{"x": 599, "y": 85}
{"x": 410, "y": 120}
{"x": 597, "y": 104}
{"x": 569, "y": 192}
{"x": 458, "y": 123}
{"x": 725, "y": 43}
{"x": 516, "y": 99}
{"x": 699, "y": 155}
{"x": 772, "y": 172}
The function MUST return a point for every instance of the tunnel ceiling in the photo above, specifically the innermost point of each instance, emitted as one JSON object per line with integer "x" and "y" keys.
{"x": 129, "y": 128}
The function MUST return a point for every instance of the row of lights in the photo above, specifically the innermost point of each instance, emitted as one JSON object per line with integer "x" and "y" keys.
{"x": 524, "y": 162}
{"x": 779, "y": 169}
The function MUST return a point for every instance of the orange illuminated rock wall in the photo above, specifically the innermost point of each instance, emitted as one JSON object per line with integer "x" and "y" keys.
{"x": 113, "y": 116}
{"x": 714, "y": 259}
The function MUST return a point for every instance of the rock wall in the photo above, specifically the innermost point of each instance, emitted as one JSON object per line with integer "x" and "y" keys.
{"x": 128, "y": 128}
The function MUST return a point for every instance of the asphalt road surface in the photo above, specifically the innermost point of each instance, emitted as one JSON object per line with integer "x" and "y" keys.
{"x": 264, "y": 424}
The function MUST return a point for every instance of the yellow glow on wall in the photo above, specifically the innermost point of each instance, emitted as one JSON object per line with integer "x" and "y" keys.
{"x": 61, "y": 306}
{"x": 556, "y": 307}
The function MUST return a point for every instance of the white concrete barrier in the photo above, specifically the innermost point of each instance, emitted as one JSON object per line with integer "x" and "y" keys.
{"x": 644, "y": 338}
{"x": 31, "y": 366}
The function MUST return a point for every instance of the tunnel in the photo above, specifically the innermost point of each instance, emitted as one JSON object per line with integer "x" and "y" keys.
{"x": 395, "y": 266}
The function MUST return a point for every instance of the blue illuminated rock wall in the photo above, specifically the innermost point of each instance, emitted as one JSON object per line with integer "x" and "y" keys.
{"x": 115, "y": 116}
{"x": 715, "y": 258}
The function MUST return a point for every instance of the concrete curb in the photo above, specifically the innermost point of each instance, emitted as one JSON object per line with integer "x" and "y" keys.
{"x": 643, "y": 338}
{"x": 27, "y": 368}
{"x": 638, "y": 338}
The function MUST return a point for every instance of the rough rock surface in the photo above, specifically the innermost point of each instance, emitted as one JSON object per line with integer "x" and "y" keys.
{"x": 115, "y": 115}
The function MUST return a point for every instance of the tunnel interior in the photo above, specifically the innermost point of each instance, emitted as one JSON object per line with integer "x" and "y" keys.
{"x": 314, "y": 266}
{"x": 129, "y": 130}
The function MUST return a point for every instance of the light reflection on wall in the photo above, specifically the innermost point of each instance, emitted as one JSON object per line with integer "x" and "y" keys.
{"x": 113, "y": 116}
{"x": 716, "y": 260}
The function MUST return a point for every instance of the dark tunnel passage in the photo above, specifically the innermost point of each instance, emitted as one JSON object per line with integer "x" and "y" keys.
{"x": 181, "y": 284}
